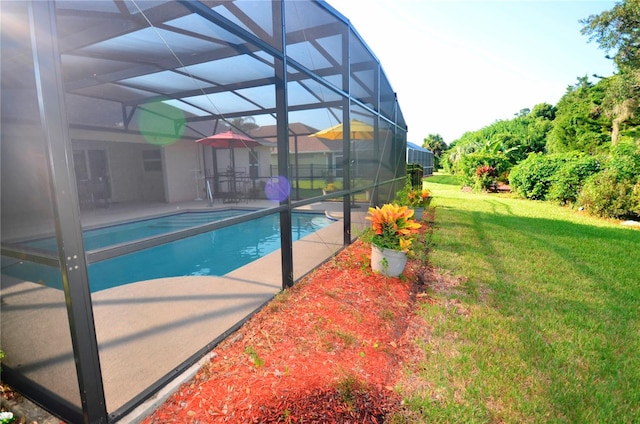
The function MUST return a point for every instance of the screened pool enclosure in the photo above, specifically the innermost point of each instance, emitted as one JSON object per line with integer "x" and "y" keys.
{"x": 108, "y": 112}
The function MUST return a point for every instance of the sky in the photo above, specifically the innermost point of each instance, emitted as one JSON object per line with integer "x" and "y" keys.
{"x": 460, "y": 65}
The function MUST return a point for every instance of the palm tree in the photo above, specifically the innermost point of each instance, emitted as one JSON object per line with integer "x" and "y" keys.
{"x": 435, "y": 143}
{"x": 243, "y": 123}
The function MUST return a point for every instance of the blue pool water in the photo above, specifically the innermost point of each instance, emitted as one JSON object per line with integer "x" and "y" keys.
{"x": 135, "y": 230}
{"x": 214, "y": 253}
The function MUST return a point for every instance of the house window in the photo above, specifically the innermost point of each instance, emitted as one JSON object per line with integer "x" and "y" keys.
{"x": 253, "y": 164}
{"x": 337, "y": 165}
{"x": 152, "y": 160}
{"x": 80, "y": 165}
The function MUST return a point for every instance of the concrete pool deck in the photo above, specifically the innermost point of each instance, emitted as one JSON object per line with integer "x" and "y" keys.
{"x": 147, "y": 329}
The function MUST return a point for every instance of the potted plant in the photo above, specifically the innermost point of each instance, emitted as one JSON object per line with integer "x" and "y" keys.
{"x": 417, "y": 199}
{"x": 329, "y": 188}
{"x": 392, "y": 229}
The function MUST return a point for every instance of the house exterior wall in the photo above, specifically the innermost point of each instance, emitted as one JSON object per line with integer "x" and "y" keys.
{"x": 180, "y": 159}
{"x": 30, "y": 205}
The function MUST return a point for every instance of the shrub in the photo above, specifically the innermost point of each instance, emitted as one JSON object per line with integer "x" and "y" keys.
{"x": 635, "y": 199}
{"x": 625, "y": 160}
{"x": 607, "y": 195}
{"x": 615, "y": 192}
{"x": 567, "y": 181}
{"x": 445, "y": 164}
{"x": 485, "y": 177}
{"x": 532, "y": 177}
{"x": 469, "y": 164}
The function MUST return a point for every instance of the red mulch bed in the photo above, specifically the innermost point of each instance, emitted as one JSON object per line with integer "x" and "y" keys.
{"x": 330, "y": 349}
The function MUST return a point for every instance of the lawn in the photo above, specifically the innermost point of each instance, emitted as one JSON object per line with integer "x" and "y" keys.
{"x": 544, "y": 322}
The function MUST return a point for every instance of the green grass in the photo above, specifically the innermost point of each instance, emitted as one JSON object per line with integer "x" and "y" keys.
{"x": 544, "y": 325}
{"x": 439, "y": 178}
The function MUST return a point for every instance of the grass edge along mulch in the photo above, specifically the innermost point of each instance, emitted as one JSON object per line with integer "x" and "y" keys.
{"x": 333, "y": 348}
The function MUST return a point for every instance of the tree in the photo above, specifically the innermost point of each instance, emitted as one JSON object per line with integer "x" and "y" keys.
{"x": 514, "y": 138}
{"x": 617, "y": 30}
{"x": 544, "y": 110}
{"x": 580, "y": 123}
{"x": 436, "y": 144}
{"x": 243, "y": 123}
{"x": 457, "y": 150}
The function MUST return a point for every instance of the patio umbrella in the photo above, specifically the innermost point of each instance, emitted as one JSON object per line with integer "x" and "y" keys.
{"x": 358, "y": 130}
{"x": 229, "y": 140}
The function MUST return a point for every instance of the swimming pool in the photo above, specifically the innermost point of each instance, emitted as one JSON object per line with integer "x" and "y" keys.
{"x": 217, "y": 252}
{"x": 109, "y": 235}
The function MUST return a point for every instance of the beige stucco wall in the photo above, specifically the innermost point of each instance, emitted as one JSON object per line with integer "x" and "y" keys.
{"x": 180, "y": 159}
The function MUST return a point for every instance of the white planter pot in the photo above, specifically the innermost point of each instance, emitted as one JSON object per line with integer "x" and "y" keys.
{"x": 417, "y": 213}
{"x": 387, "y": 261}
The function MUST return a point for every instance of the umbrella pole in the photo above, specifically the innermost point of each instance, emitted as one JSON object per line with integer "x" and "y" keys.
{"x": 233, "y": 194}
{"x": 214, "y": 159}
{"x": 204, "y": 171}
